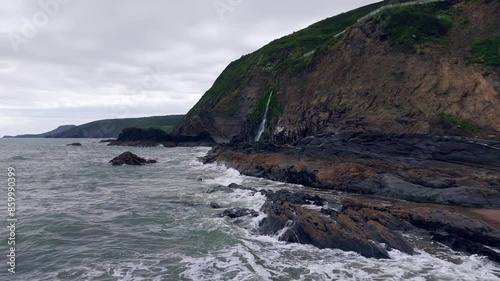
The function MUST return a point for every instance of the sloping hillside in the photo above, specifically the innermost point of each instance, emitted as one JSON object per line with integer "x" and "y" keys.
{"x": 431, "y": 68}
{"x": 113, "y": 127}
{"x": 52, "y": 133}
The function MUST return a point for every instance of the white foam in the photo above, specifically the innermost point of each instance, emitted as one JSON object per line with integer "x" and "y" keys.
{"x": 313, "y": 207}
{"x": 269, "y": 258}
{"x": 261, "y": 257}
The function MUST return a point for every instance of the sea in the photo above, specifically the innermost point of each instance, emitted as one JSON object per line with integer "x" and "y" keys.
{"x": 80, "y": 218}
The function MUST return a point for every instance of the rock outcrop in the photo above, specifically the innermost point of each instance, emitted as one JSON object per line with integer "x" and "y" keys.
{"x": 128, "y": 158}
{"x": 239, "y": 212}
{"x": 74, "y": 144}
{"x": 419, "y": 168}
{"x": 372, "y": 227}
{"x": 155, "y": 137}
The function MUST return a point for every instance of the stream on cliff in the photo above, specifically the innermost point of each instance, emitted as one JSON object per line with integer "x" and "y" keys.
{"x": 80, "y": 218}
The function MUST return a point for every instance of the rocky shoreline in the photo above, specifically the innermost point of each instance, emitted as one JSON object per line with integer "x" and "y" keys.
{"x": 137, "y": 137}
{"x": 406, "y": 183}
{"x": 369, "y": 226}
{"x": 419, "y": 168}
{"x": 445, "y": 188}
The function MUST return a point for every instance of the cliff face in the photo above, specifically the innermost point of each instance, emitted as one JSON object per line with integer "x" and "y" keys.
{"x": 430, "y": 68}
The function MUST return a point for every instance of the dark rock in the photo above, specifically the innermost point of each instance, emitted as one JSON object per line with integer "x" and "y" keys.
{"x": 239, "y": 212}
{"x": 452, "y": 222}
{"x": 349, "y": 230}
{"x": 230, "y": 188}
{"x": 149, "y": 135}
{"x": 215, "y": 205}
{"x": 74, "y": 144}
{"x": 455, "y": 227}
{"x": 363, "y": 224}
{"x": 464, "y": 245}
{"x": 307, "y": 226}
{"x": 296, "y": 198}
{"x": 418, "y": 168}
{"x": 134, "y": 143}
{"x": 107, "y": 141}
{"x": 220, "y": 188}
{"x": 129, "y": 158}
{"x": 156, "y": 137}
{"x": 237, "y": 186}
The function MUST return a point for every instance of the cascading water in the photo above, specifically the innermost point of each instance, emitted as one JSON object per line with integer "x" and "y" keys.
{"x": 262, "y": 126}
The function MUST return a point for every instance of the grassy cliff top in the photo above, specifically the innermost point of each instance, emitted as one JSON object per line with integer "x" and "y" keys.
{"x": 111, "y": 128}
{"x": 287, "y": 54}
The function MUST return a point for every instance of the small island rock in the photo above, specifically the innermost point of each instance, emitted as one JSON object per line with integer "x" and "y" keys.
{"x": 74, "y": 144}
{"x": 128, "y": 158}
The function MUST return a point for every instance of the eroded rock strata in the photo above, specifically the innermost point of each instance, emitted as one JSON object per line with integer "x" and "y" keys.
{"x": 372, "y": 227}
{"x": 419, "y": 168}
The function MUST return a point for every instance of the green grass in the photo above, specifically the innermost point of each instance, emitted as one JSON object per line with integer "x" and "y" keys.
{"x": 487, "y": 51}
{"x": 228, "y": 104}
{"x": 459, "y": 123}
{"x": 284, "y": 55}
{"x": 416, "y": 24}
{"x": 111, "y": 128}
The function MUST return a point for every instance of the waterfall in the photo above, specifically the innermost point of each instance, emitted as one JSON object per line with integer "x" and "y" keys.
{"x": 262, "y": 126}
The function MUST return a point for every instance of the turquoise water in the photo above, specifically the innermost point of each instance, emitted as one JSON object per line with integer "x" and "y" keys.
{"x": 79, "y": 218}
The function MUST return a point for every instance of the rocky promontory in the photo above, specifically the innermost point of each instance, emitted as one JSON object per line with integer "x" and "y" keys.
{"x": 371, "y": 227}
{"x": 420, "y": 168}
{"x": 151, "y": 137}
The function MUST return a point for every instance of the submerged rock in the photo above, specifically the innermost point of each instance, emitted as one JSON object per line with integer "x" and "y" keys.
{"x": 220, "y": 188}
{"x": 215, "y": 205}
{"x": 74, "y": 144}
{"x": 230, "y": 188}
{"x": 464, "y": 245}
{"x": 128, "y": 158}
{"x": 239, "y": 212}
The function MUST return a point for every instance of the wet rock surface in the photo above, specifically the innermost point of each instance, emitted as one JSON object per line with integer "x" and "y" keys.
{"x": 231, "y": 188}
{"x": 372, "y": 227}
{"x": 239, "y": 212}
{"x": 128, "y": 158}
{"x": 74, "y": 144}
{"x": 419, "y": 168}
{"x": 220, "y": 189}
{"x": 464, "y": 245}
{"x": 214, "y": 205}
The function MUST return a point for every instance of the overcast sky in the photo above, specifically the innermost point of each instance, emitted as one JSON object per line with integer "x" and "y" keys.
{"x": 76, "y": 61}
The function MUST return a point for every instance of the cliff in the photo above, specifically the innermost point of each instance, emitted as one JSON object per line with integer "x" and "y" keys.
{"x": 113, "y": 127}
{"x": 424, "y": 69}
{"x": 50, "y": 134}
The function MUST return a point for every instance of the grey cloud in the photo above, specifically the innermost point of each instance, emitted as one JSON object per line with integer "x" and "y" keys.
{"x": 92, "y": 58}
